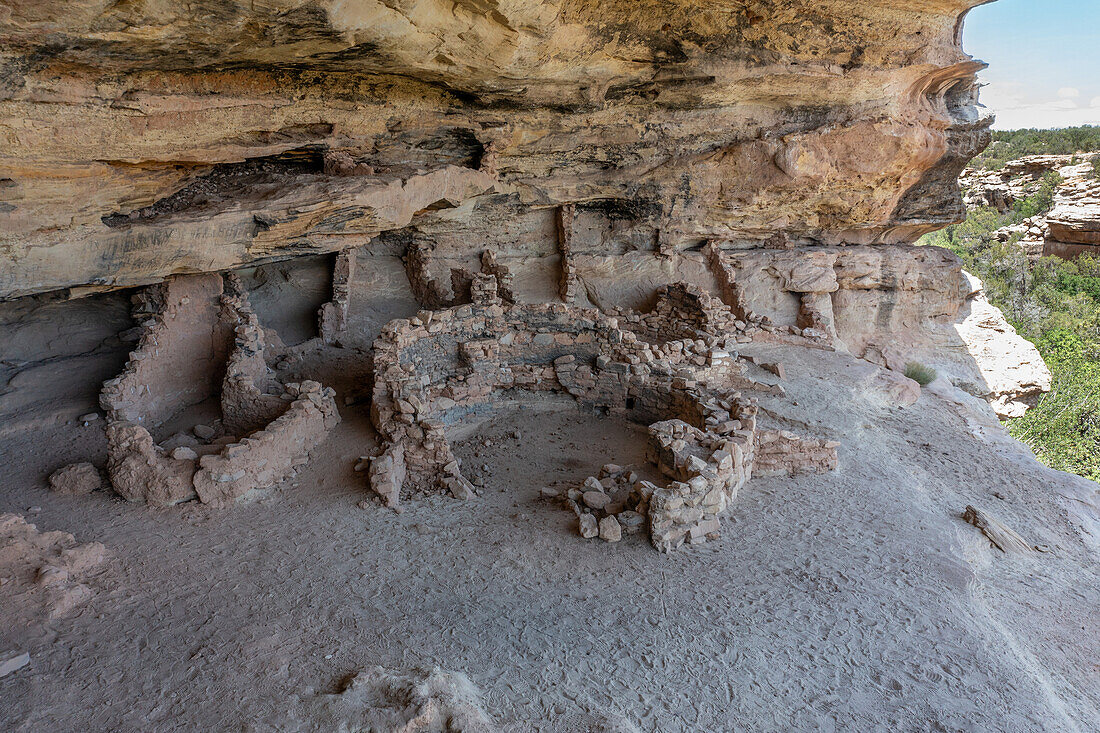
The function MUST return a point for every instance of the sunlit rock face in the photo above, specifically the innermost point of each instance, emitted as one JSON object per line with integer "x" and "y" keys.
{"x": 153, "y": 137}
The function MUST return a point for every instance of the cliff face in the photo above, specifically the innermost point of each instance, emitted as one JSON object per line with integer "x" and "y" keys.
{"x": 147, "y": 138}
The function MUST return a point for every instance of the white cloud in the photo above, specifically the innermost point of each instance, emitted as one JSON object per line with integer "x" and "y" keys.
{"x": 1017, "y": 107}
{"x": 1043, "y": 116}
{"x": 1069, "y": 93}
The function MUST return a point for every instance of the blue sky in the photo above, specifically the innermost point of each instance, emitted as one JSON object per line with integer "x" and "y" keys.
{"x": 1044, "y": 61}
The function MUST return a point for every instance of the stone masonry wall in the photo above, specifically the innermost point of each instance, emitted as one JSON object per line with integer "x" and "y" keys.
{"x": 191, "y": 319}
{"x": 441, "y": 367}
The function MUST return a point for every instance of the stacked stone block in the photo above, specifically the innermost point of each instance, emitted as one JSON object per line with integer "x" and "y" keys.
{"x": 568, "y": 283}
{"x": 332, "y": 319}
{"x": 441, "y": 367}
{"x": 195, "y": 328}
{"x": 782, "y": 453}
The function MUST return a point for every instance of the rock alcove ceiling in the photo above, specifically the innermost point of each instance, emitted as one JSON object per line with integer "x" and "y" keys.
{"x": 151, "y": 138}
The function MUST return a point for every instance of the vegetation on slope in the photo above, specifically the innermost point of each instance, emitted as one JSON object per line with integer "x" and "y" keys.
{"x": 1056, "y": 305}
{"x": 1014, "y": 144}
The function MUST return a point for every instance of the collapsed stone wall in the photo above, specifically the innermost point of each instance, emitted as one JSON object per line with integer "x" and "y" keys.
{"x": 682, "y": 311}
{"x": 46, "y": 573}
{"x": 200, "y": 342}
{"x": 910, "y": 285}
{"x": 442, "y": 367}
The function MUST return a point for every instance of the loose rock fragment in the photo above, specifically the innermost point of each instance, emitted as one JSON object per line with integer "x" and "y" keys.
{"x": 610, "y": 530}
{"x": 586, "y": 523}
{"x": 631, "y": 521}
{"x": 76, "y": 478}
{"x": 12, "y": 663}
{"x": 203, "y": 432}
{"x": 596, "y": 499}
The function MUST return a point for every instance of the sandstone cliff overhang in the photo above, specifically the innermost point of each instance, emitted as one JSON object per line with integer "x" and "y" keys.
{"x": 145, "y": 139}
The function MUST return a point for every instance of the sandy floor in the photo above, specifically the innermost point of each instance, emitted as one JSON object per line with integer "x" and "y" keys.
{"x": 857, "y": 600}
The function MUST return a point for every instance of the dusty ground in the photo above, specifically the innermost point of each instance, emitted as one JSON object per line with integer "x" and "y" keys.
{"x": 856, "y": 600}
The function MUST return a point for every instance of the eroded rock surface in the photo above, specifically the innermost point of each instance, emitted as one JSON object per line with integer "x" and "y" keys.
{"x": 145, "y": 139}
{"x": 1013, "y": 374}
{"x": 593, "y": 154}
{"x": 397, "y": 701}
{"x": 1070, "y": 229}
{"x": 43, "y": 572}
{"x": 76, "y": 478}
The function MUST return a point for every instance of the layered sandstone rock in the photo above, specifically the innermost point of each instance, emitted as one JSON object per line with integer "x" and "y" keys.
{"x": 1012, "y": 374}
{"x": 1016, "y": 180}
{"x": 150, "y": 138}
{"x": 1073, "y": 224}
{"x": 1070, "y": 229}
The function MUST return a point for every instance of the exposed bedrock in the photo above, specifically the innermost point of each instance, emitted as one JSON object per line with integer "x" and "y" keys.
{"x": 773, "y": 159}
{"x": 144, "y": 139}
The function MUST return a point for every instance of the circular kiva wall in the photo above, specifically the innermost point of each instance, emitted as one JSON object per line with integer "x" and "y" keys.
{"x": 443, "y": 367}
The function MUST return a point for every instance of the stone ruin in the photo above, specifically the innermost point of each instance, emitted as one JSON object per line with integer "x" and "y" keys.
{"x": 198, "y": 413}
{"x": 672, "y": 368}
{"x": 201, "y": 343}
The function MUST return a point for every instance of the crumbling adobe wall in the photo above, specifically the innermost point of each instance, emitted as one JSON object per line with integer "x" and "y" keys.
{"x": 205, "y": 322}
{"x": 46, "y": 574}
{"x": 180, "y": 358}
{"x": 445, "y": 364}
{"x": 267, "y": 456}
{"x": 782, "y": 453}
{"x": 250, "y": 390}
{"x": 332, "y": 319}
{"x": 682, "y": 311}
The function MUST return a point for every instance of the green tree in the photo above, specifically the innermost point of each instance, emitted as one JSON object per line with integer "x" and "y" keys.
{"x": 1055, "y": 304}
